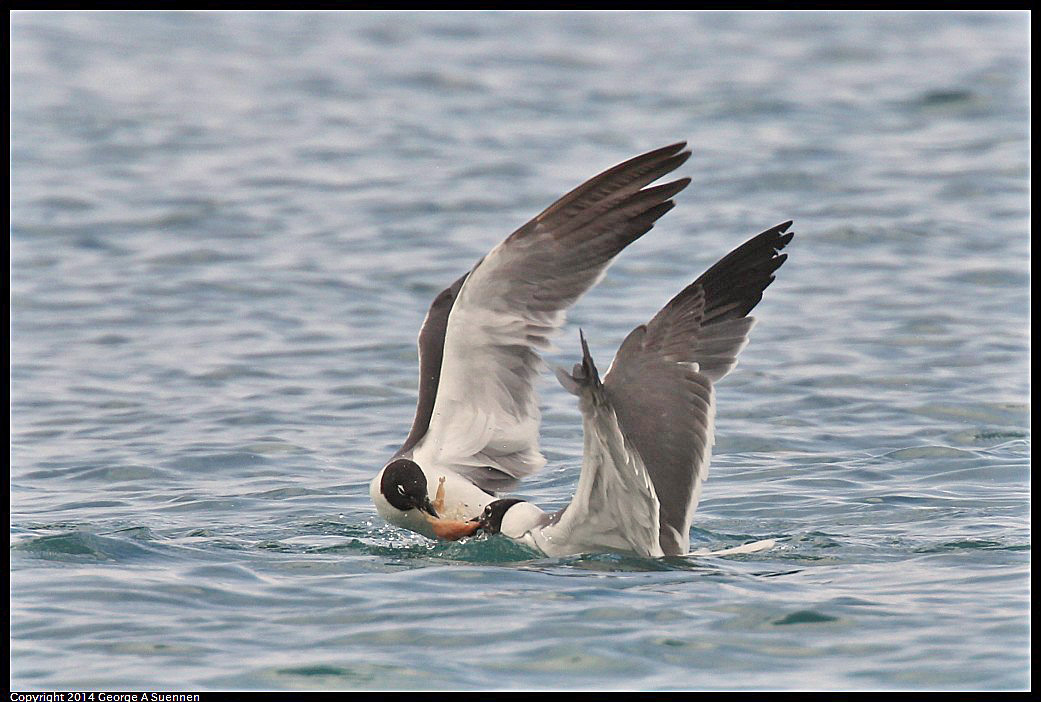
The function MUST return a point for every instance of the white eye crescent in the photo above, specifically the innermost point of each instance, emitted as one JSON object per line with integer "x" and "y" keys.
{"x": 401, "y": 489}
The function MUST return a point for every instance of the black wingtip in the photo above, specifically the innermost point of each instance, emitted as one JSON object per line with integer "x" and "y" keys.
{"x": 585, "y": 346}
{"x": 673, "y": 154}
{"x": 778, "y": 237}
{"x": 585, "y": 373}
{"x": 783, "y": 229}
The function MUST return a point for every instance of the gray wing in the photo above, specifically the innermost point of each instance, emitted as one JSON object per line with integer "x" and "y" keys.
{"x": 614, "y": 506}
{"x": 431, "y": 350}
{"x": 661, "y": 382}
{"x": 483, "y": 417}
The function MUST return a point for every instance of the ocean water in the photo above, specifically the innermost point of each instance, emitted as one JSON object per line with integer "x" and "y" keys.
{"x": 226, "y": 229}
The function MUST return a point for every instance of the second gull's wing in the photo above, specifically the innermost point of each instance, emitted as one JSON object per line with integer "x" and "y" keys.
{"x": 661, "y": 381}
{"x": 614, "y": 507}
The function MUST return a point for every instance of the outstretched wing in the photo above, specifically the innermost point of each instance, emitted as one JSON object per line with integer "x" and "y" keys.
{"x": 661, "y": 382}
{"x": 483, "y": 418}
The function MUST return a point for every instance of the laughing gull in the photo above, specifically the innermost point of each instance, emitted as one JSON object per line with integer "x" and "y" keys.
{"x": 476, "y": 429}
{"x": 648, "y": 425}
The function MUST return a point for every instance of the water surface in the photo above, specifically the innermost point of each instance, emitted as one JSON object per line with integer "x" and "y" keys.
{"x": 225, "y": 231}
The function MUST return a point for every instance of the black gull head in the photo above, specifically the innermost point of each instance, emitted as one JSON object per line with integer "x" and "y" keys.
{"x": 404, "y": 486}
{"x": 491, "y": 518}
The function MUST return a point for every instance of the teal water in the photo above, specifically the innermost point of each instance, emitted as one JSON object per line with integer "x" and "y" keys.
{"x": 225, "y": 231}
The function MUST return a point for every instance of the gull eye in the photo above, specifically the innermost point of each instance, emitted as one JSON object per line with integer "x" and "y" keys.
{"x": 401, "y": 489}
